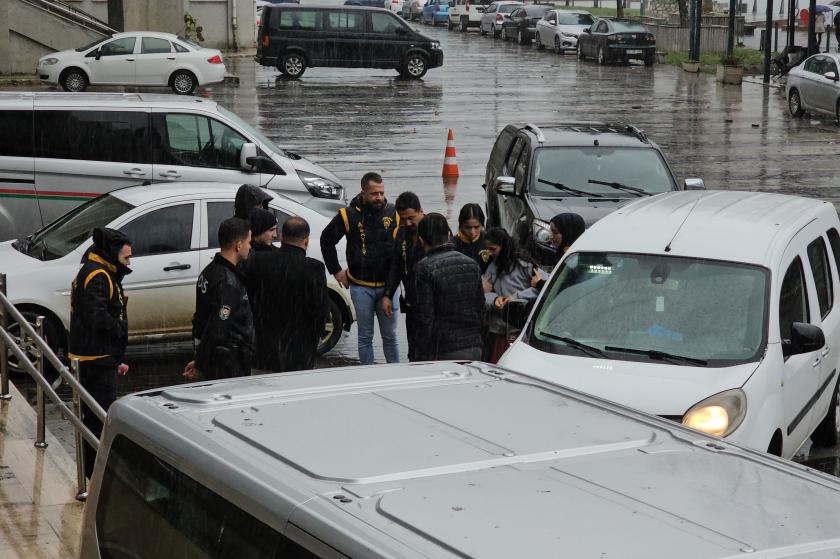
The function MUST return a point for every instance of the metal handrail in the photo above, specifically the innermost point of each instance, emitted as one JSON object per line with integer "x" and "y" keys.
{"x": 75, "y": 15}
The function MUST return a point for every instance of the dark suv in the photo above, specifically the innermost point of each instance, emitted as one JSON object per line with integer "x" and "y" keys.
{"x": 537, "y": 172}
{"x": 294, "y": 38}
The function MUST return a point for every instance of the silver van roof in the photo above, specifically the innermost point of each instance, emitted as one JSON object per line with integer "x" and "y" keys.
{"x": 470, "y": 460}
{"x": 86, "y": 99}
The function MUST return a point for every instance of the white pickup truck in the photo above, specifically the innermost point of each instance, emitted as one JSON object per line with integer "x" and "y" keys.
{"x": 464, "y": 14}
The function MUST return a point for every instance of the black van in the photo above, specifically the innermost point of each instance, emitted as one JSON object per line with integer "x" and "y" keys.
{"x": 293, "y": 38}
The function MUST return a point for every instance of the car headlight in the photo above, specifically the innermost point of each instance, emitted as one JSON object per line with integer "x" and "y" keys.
{"x": 542, "y": 232}
{"x": 49, "y": 61}
{"x": 319, "y": 186}
{"x": 435, "y": 45}
{"x": 718, "y": 415}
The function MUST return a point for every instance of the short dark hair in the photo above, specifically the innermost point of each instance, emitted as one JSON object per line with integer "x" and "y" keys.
{"x": 470, "y": 211}
{"x": 434, "y": 229}
{"x": 233, "y": 230}
{"x": 370, "y": 177}
{"x": 295, "y": 229}
{"x": 407, "y": 201}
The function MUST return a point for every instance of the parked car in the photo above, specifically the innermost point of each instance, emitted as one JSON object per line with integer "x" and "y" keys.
{"x": 295, "y": 38}
{"x": 814, "y": 86}
{"x": 560, "y": 29}
{"x": 396, "y": 6}
{"x": 719, "y": 310}
{"x": 412, "y": 9}
{"x": 592, "y": 169}
{"x": 494, "y": 16}
{"x": 464, "y": 14}
{"x": 522, "y": 24}
{"x": 139, "y": 58}
{"x": 58, "y": 150}
{"x": 435, "y": 12}
{"x": 617, "y": 40}
{"x": 174, "y": 234}
{"x": 459, "y": 460}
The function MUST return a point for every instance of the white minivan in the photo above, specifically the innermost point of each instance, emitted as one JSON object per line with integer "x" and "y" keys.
{"x": 720, "y": 310}
{"x": 58, "y": 150}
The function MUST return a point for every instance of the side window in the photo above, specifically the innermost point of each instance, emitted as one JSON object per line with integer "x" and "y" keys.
{"x": 793, "y": 299}
{"x": 118, "y": 47}
{"x": 552, "y": 18}
{"x": 501, "y": 148}
{"x": 818, "y": 258}
{"x": 521, "y": 169}
{"x": 829, "y": 66}
{"x": 834, "y": 241}
{"x": 227, "y": 143}
{"x": 179, "y": 48}
{"x": 513, "y": 155}
{"x": 300, "y": 19}
{"x": 347, "y": 21}
{"x": 115, "y": 136}
{"x": 602, "y": 27}
{"x": 383, "y": 23}
{"x": 182, "y": 139}
{"x": 152, "y": 45}
{"x": 161, "y": 231}
{"x": 813, "y": 64}
{"x": 490, "y": 9}
{"x": 16, "y": 130}
{"x": 217, "y": 212}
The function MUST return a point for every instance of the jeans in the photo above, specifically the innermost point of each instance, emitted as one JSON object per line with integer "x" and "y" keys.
{"x": 366, "y": 302}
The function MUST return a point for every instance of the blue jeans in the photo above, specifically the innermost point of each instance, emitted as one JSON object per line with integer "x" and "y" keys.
{"x": 366, "y": 301}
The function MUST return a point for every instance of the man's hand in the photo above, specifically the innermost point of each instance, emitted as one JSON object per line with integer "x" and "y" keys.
{"x": 500, "y": 302}
{"x": 341, "y": 278}
{"x": 536, "y": 277}
{"x": 122, "y": 369}
{"x": 190, "y": 372}
{"x": 387, "y": 306}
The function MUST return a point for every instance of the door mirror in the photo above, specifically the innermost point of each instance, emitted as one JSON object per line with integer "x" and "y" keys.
{"x": 516, "y": 312}
{"x": 694, "y": 184}
{"x": 830, "y": 76}
{"x": 804, "y": 338}
{"x": 505, "y": 186}
{"x": 247, "y": 157}
{"x": 587, "y": 30}
{"x": 401, "y": 31}
{"x": 480, "y": 9}
{"x": 98, "y": 54}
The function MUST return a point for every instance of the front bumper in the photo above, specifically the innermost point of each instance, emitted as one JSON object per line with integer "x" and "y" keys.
{"x": 47, "y": 74}
{"x": 441, "y": 17}
{"x": 568, "y": 42}
{"x": 435, "y": 58}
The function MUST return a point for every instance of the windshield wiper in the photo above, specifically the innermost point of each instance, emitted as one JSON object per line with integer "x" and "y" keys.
{"x": 619, "y": 186}
{"x": 588, "y": 349}
{"x": 560, "y": 186}
{"x": 659, "y": 355}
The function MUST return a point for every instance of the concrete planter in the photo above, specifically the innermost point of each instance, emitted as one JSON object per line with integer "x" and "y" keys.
{"x": 660, "y": 57}
{"x": 692, "y": 67}
{"x": 730, "y": 74}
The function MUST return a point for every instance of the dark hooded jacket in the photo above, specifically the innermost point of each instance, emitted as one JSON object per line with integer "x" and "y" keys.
{"x": 407, "y": 253}
{"x": 474, "y": 249}
{"x": 98, "y": 319}
{"x": 247, "y": 198}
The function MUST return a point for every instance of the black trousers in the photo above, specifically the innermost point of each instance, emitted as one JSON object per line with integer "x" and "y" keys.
{"x": 101, "y": 382}
{"x": 411, "y": 334}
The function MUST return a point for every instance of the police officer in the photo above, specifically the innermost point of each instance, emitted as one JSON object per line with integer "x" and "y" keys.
{"x": 223, "y": 325}
{"x": 99, "y": 324}
{"x": 249, "y": 197}
{"x": 370, "y": 225}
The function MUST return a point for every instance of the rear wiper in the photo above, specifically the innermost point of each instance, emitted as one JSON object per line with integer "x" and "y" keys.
{"x": 588, "y": 349}
{"x": 560, "y": 186}
{"x": 620, "y": 186}
{"x": 659, "y": 355}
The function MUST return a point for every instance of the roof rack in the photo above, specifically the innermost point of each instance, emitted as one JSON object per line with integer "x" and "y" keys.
{"x": 636, "y": 132}
{"x": 536, "y": 130}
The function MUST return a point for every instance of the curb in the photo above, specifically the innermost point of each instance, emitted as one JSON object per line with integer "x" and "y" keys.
{"x": 20, "y": 80}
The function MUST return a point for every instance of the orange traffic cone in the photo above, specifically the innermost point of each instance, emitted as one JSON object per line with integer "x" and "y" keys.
{"x": 450, "y": 164}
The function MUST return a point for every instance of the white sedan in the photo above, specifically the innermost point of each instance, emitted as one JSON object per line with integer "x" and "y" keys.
{"x": 173, "y": 229}
{"x": 560, "y": 29}
{"x": 139, "y": 58}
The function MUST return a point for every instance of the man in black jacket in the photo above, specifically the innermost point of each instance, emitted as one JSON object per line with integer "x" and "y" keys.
{"x": 223, "y": 326}
{"x": 407, "y": 253}
{"x": 249, "y": 197}
{"x": 292, "y": 307}
{"x": 370, "y": 225}
{"x": 449, "y": 297}
{"x": 99, "y": 324}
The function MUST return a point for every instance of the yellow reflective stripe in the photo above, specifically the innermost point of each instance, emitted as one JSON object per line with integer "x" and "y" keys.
{"x": 98, "y": 259}
{"x": 397, "y": 228}
{"x": 101, "y": 271}
{"x": 365, "y": 283}
{"x": 343, "y": 212}
{"x": 86, "y": 357}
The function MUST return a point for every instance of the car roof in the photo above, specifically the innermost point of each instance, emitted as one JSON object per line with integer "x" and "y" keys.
{"x": 559, "y": 11}
{"x": 471, "y": 460}
{"x": 158, "y": 34}
{"x": 342, "y": 7}
{"x": 735, "y": 226}
{"x": 86, "y": 99}
{"x": 586, "y": 133}
{"x": 137, "y": 195}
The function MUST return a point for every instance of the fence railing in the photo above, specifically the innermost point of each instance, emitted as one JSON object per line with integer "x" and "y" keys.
{"x": 35, "y": 335}
{"x": 75, "y": 15}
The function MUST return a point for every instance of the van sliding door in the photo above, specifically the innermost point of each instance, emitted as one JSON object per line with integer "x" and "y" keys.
{"x": 20, "y": 214}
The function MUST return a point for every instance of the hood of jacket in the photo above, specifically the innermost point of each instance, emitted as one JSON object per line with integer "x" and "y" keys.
{"x": 247, "y": 197}
{"x": 107, "y": 244}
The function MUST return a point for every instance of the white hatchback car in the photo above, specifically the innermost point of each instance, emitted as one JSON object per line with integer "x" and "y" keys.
{"x": 560, "y": 29}
{"x": 173, "y": 229}
{"x": 139, "y": 58}
{"x": 717, "y": 309}
{"x": 495, "y": 15}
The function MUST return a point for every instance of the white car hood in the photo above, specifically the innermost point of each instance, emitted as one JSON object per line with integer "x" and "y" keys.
{"x": 656, "y": 388}
{"x": 63, "y": 54}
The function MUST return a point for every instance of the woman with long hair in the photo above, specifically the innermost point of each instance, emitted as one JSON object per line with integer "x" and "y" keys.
{"x": 470, "y": 237}
{"x": 565, "y": 229}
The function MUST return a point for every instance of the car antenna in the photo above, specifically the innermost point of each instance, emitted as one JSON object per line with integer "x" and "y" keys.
{"x": 677, "y": 232}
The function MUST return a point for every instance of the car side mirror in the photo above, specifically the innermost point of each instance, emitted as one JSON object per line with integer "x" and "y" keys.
{"x": 694, "y": 184}
{"x": 505, "y": 186}
{"x": 480, "y": 9}
{"x": 516, "y": 313}
{"x": 587, "y": 31}
{"x": 401, "y": 31}
{"x": 248, "y": 156}
{"x": 830, "y": 76}
{"x": 98, "y": 54}
{"x": 804, "y": 338}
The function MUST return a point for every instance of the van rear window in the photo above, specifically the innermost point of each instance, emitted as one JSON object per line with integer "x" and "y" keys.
{"x": 296, "y": 19}
{"x": 16, "y": 133}
{"x": 149, "y": 509}
{"x": 95, "y": 135}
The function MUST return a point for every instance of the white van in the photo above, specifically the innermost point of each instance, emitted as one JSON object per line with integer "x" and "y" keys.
{"x": 58, "y": 150}
{"x": 720, "y": 310}
{"x": 442, "y": 460}
{"x": 464, "y": 14}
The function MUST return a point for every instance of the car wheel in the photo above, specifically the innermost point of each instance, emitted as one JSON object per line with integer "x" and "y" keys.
{"x": 464, "y": 26}
{"x": 52, "y": 335}
{"x": 415, "y": 66}
{"x": 602, "y": 56}
{"x": 332, "y": 329}
{"x": 294, "y": 65}
{"x": 183, "y": 82}
{"x": 481, "y": 30}
{"x": 450, "y": 26}
{"x": 73, "y": 80}
{"x": 795, "y": 104}
{"x": 538, "y": 41}
{"x": 650, "y": 58}
{"x": 826, "y": 433}
{"x": 580, "y": 54}
{"x": 493, "y": 29}
{"x": 558, "y": 47}
{"x": 504, "y": 35}
{"x": 837, "y": 111}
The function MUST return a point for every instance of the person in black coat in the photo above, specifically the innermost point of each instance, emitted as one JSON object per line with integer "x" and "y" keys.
{"x": 223, "y": 326}
{"x": 449, "y": 297}
{"x": 249, "y": 197}
{"x": 470, "y": 238}
{"x": 99, "y": 324}
{"x": 293, "y": 303}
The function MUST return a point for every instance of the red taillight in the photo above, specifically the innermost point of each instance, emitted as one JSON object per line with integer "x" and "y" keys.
{"x": 215, "y": 59}
{"x": 500, "y": 17}
{"x": 265, "y": 40}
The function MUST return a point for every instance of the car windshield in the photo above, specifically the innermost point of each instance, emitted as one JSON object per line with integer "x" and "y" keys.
{"x": 508, "y": 8}
{"x": 66, "y": 233}
{"x": 574, "y": 19}
{"x": 628, "y": 27}
{"x": 535, "y": 11}
{"x": 575, "y": 167}
{"x": 90, "y": 45}
{"x": 253, "y": 131}
{"x": 645, "y": 307}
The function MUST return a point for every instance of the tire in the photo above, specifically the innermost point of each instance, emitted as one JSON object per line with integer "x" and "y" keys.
{"x": 332, "y": 329}
{"x": 183, "y": 82}
{"x": 837, "y": 111}
{"x": 482, "y": 31}
{"x": 650, "y": 58}
{"x": 54, "y": 335}
{"x": 538, "y": 41}
{"x": 826, "y": 433}
{"x": 495, "y": 33}
{"x": 558, "y": 47}
{"x": 415, "y": 66}
{"x": 294, "y": 65}
{"x": 795, "y": 104}
{"x": 602, "y": 56}
{"x": 450, "y": 26}
{"x": 503, "y": 35}
{"x": 73, "y": 80}
{"x": 464, "y": 25}
{"x": 580, "y": 54}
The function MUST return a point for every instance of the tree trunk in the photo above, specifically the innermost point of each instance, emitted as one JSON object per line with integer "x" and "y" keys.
{"x": 683, "y": 6}
{"x": 116, "y": 18}
{"x": 619, "y": 8}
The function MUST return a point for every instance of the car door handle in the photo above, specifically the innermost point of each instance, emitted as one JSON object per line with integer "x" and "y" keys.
{"x": 816, "y": 361}
{"x": 825, "y": 351}
{"x": 171, "y": 175}
{"x": 135, "y": 172}
{"x": 170, "y": 58}
{"x": 176, "y": 267}
{"x": 129, "y": 60}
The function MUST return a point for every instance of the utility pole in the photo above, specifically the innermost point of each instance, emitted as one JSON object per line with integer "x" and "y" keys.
{"x": 116, "y": 17}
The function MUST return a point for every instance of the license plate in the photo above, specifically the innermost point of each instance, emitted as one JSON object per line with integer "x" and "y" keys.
{"x": 634, "y": 51}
